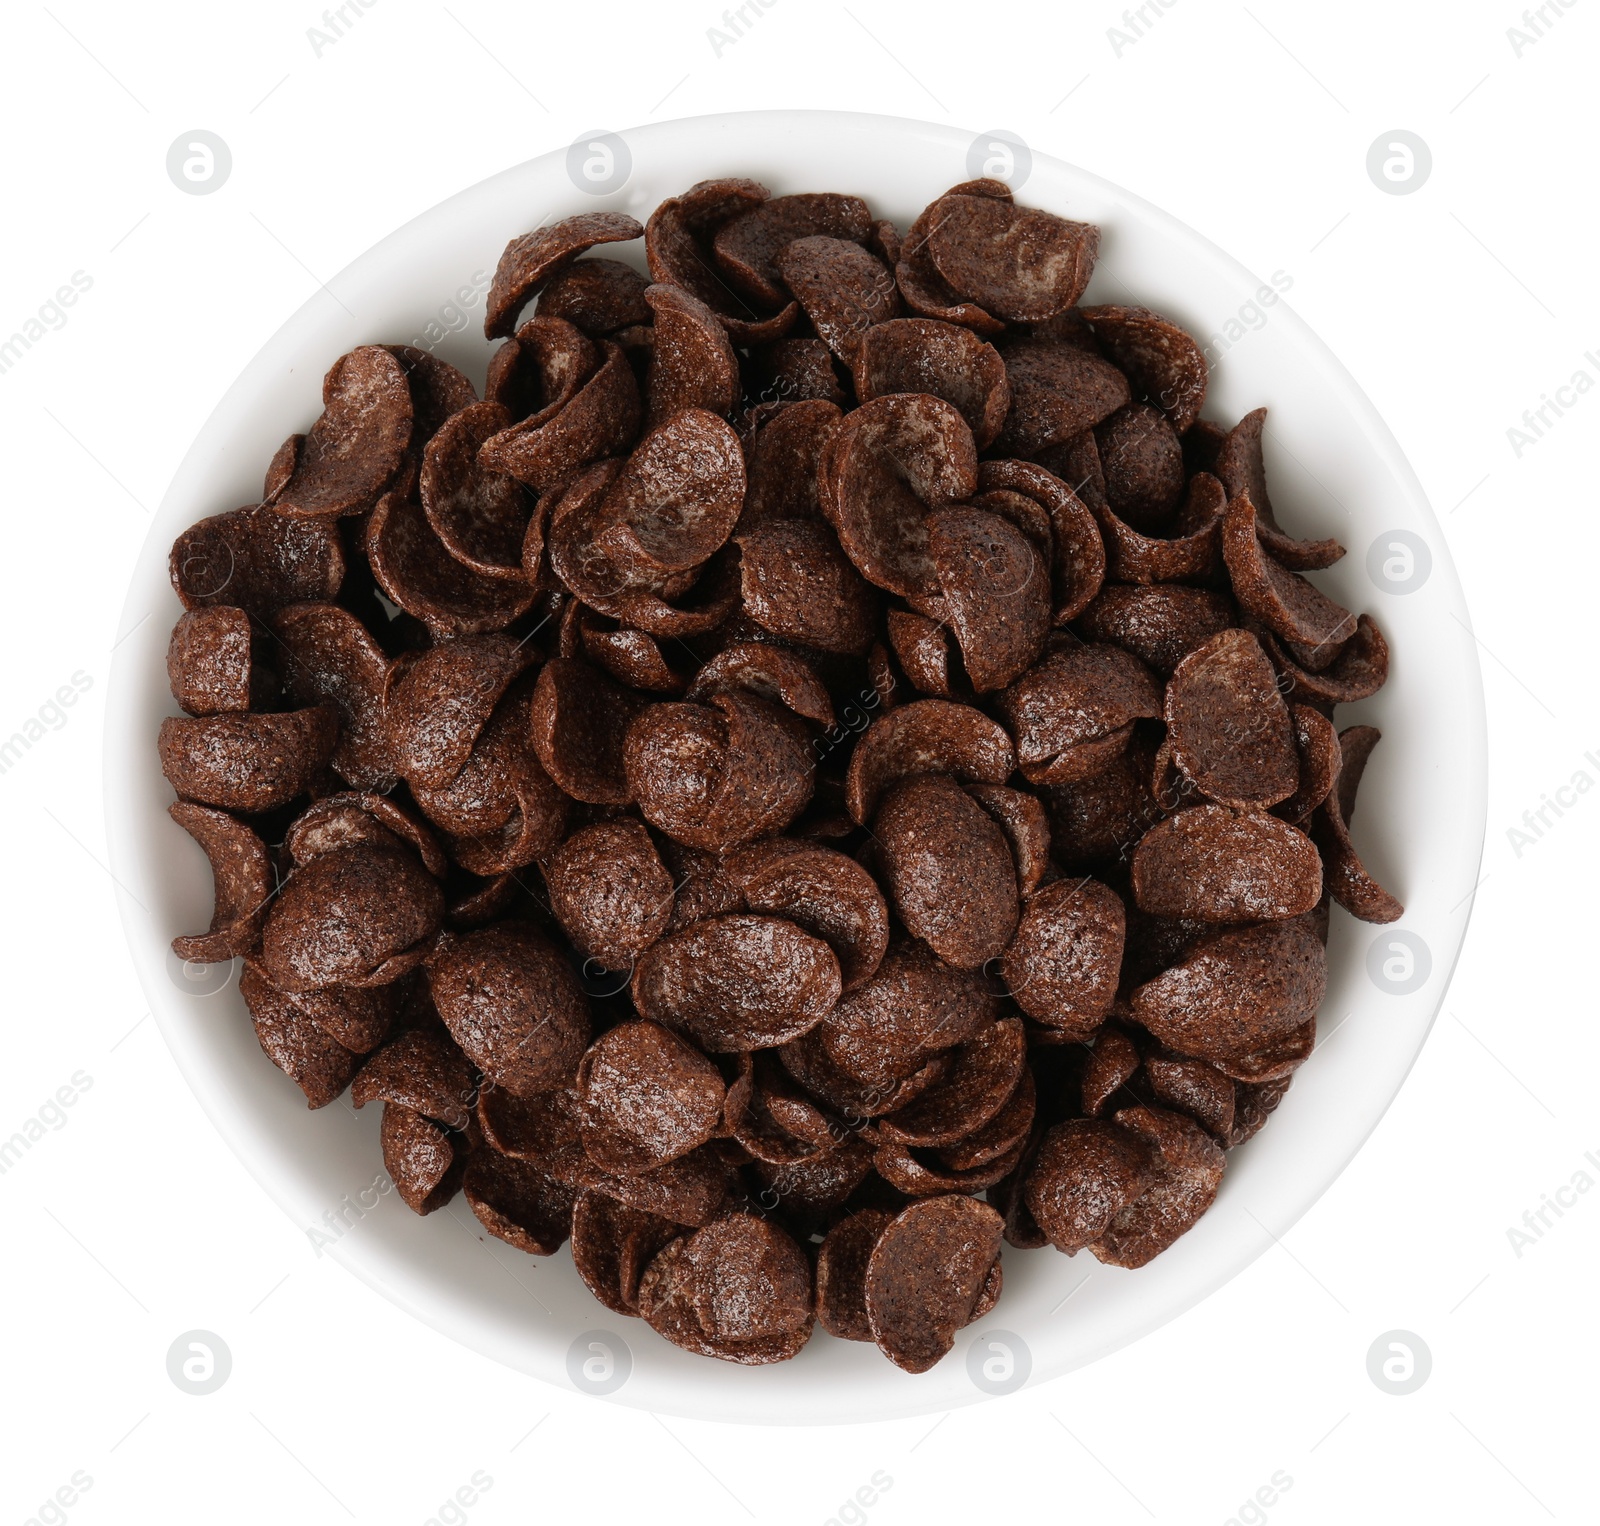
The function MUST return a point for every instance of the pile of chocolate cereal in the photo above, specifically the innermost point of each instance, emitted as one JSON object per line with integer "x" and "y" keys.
{"x": 825, "y": 768}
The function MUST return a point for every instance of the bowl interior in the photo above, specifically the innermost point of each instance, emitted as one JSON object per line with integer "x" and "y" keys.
{"x": 1335, "y": 470}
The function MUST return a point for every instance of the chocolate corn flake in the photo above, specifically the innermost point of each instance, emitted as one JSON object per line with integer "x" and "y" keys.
{"x": 533, "y": 259}
{"x": 512, "y": 1002}
{"x": 738, "y": 982}
{"x": 926, "y": 1274}
{"x": 1214, "y": 864}
{"x": 1062, "y": 966}
{"x": 243, "y": 882}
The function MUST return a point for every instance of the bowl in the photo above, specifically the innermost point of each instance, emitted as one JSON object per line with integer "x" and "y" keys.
{"x": 1336, "y": 470}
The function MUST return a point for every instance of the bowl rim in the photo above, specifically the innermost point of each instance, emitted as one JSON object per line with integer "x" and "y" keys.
{"x": 725, "y": 1395}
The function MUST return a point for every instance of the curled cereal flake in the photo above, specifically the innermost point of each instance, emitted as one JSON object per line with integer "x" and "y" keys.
{"x": 319, "y": 1065}
{"x": 1113, "y": 1062}
{"x": 612, "y": 1245}
{"x": 544, "y": 1129}
{"x": 807, "y": 1060}
{"x": 715, "y": 599}
{"x": 438, "y": 392}
{"x": 518, "y": 1203}
{"x": 337, "y": 821}
{"x": 811, "y": 1193}
{"x": 633, "y": 658}
{"x": 770, "y": 1118}
{"x": 1193, "y": 551}
{"x": 351, "y": 917}
{"x": 1228, "y": 725}
{"x": 1087, "y": 1171}
{"x": 1159, "y": 625}
{"x": 425, "y": 1163}
{"x": 209, "y": 663}
{"x": 1165, "y": 365}
{"x": 715, "y": 776}
{"x": 579, "y": 564}
{"x": 1095, "y": 822}
{"x": 692, "y": 364}
{"x": 677, "y": 499}
{"x": 1062, "y": 966}
{"x": 599, "y": 420}
{"x": 357, "y": 1018}
{"x": 534, "y": 375}
{"x": 926, "y": 736}
{"x": 1057, "y": 391}
{"x": 926, "y": 1274}
{"x": 691, "y": 1190}
{"x": 480, "y": 516}
{"x": 610, "y": 891}
{"x": 675, "y": 243}
{"x": 823, "y": 891}
{"x": 1317, "y": 744}
{"x": 1142, "y": 464}
{"x": 843, "y": 288}
{"x": 995, "y": 1146}
{"x": 1195, "y": 1089}
{"x": 511, "y": 1001}
{"x": 739, "y": 1289}
{"x": 924, "y": 1173}
{"x": 889, "y": 462}
{"x": 1348, "y": 880}
{"x": 424, "y": 1071}
{"x": 701, "y": 884}
{"x": 922, "y": 648}
{"x": 1075, "y": 696}
{"x": 1238, "y": 463}
{"x": 1018, "y": 263}
{"x": 596, "y": 295}
{"x": 790, "y": 371}
{"x": 358, "y": 442}
{"x": 501, "y": 809}
{"x": 913, "y": 1007}
{"x": 799, "y": 585}
{"x": 243, "y": 880}
{"x": 783, "y": 460}
{"x": 738, "y": 982}
{"x": 242, "y": 762}
{"x": 1358, "y": 672}
{"x": 986, "y": 1070}
{"x": 254, "y": 560}
{"x": 1022, "y": 818}
{"x": 942, "y": 359}
{"x": 996, "y": 589}
{"x": 948, "y": 869}
{"x": 926, "y": 291}
{"x": 532, "y": 259}
{"x": 772, "y": 672}
{"x": 1237, "y": 996}
{"x": 747, "y": 247}
{"x": 413, "y": 567}
{"x": 648, "y": 1098}
{"x": 441, "y": 702}
{"x": 1283, "y": 601}
{"x": 1214, "y": 864}
{"x": 328, "y": 657}
{"x": 1186, "y": 1170}
{"x": 579, "y": 721}
{"x": 1078, "y": 559}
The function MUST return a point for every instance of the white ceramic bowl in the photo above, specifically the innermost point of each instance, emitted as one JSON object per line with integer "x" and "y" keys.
{"x": 1335, "y": 470}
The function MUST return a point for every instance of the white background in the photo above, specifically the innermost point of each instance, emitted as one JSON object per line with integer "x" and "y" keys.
{"x": 1457, "y": 307}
